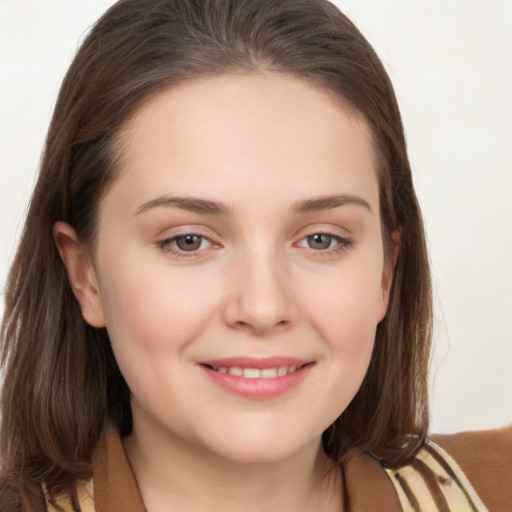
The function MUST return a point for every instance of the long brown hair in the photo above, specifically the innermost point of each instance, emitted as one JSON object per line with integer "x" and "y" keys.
{"x": 62, "y": 383}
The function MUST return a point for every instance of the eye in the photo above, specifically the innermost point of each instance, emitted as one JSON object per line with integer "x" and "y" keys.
{"x": 188, "y": 243}
{"x": 324, "y": 242}
{"x": 319, "y": 241}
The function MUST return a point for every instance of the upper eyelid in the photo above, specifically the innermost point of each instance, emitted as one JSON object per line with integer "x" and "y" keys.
{"x": 183, "y": 235}
{"x": 331, "y": 230}
{"x": 183, "y": 230}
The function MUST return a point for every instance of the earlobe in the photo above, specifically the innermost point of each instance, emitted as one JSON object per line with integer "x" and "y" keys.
{"x": 81, "y": 274}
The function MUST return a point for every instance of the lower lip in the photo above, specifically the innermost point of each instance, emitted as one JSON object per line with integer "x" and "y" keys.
{"x": 258, "y": 389}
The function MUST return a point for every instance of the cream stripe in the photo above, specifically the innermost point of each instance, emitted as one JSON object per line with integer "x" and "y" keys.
{"x": 418, "y": 489}
{"x": 452, "y": 488}
{"x": 454, "y": 495}
{"x": 457, "y": 500}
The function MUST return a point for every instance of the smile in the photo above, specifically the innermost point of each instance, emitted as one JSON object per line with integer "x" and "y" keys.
{"x": 256, "y": 373}
{"x": 257, "y": 379}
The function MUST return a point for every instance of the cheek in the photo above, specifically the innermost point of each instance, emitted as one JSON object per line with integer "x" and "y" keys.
{"x": 344, "y": 313}
{"x": 148, "y": 306}
{"x": 346, "y": 309}
{"x": 346, "y": 320}
{"x": 153, "y": 316}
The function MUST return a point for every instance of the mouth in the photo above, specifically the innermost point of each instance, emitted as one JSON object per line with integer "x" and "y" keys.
{"x": 257, "y": 378}
{"x": 257, "y": 373}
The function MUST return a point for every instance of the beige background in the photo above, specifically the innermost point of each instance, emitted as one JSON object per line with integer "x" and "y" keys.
{"x": 451, "y": 63}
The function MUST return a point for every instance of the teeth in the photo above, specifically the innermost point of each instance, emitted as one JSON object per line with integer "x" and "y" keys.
{"x": 252, "y": 373}
{"x": 255, "y": 373}
{"x": 282, "y": 370}
{"x": 269, "y": 373}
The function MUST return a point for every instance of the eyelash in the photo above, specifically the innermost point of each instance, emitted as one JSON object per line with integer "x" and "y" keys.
{"x": 341, "y": 244}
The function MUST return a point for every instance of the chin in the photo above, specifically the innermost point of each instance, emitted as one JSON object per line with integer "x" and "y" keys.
{"x": 260, "y": 445}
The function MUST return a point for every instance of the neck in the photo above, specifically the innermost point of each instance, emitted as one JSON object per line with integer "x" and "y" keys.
{"x": 174, "y": 475}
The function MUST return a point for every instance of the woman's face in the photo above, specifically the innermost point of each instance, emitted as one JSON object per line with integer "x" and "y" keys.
{"x": 239, "y": 264}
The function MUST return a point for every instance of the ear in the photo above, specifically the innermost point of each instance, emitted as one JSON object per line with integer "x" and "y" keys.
{"x": 389, "y": 271}
{"x": 81, "y": 274}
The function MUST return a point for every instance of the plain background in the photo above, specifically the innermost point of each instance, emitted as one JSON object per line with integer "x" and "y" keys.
{"x": 451, "y": 64}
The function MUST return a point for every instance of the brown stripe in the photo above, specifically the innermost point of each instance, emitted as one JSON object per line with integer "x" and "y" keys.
{"x": 430, "y": 479}
{"x": 408, "y": 493}
{"x": 437, "y": 456}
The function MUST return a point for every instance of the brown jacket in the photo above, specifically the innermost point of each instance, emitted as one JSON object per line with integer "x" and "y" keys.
{"x": 484, "y": 457}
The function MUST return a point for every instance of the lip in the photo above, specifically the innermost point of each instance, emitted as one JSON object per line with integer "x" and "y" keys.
{"x": 257, "y": 388}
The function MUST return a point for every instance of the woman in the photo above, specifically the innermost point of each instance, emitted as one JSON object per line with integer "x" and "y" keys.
{"x": 225, "y": 266}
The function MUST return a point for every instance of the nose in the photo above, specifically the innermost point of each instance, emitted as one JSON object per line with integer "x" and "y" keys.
{"x": 260, "y": 297}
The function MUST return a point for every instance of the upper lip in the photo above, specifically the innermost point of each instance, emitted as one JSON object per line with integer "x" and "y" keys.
{"x": 255, "y": 362}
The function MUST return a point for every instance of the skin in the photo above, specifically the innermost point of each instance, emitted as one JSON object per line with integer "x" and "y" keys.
{"x": 257, "y": 285}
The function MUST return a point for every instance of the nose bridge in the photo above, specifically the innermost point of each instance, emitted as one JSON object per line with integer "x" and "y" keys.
{"x": 261, "y": 298}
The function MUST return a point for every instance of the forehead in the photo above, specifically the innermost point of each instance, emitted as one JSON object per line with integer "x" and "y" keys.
{"x": 264, "y": 132}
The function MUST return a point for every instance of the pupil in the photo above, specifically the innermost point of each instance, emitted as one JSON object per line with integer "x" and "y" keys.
{"x": 189, "y": 242}
{"x": 319, "y": 241}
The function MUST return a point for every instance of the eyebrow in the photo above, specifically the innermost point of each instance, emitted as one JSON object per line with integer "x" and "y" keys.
{"x": 211, "y": 207}
{"x": 327, "y": 202}
{"x": 191, "y": 204}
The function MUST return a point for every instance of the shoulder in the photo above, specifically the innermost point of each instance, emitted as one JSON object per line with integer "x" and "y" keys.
{"x": 485, "y": 457}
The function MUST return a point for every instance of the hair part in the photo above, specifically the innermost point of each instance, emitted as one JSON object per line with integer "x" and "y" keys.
{"x": 62, "y": 383}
